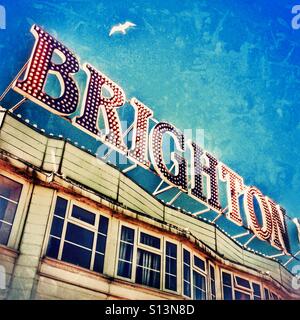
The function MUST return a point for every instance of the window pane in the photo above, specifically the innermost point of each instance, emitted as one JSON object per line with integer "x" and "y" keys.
{"x": 127, "y": 234}
{"x": 148, "y": 268}
{"x": 53, "y": 248}
{"x": 239, "y": 295}
{"x": 199, "y": 280}
{"x": 186, "y": 257}
{"x": 187, "y": 273}
{"x": 76, "y": 255}
{"x": 199, "y": 263}
{"x": 61, "y": 207}
{"x": 80, "y": 235}
{"x": 103, "y": 225}
{"x": 187, "y": 289}
{"x": 10, "y": 189}
{"x": 212, "y": 272}
{"x": 4, "y": 233}
{"x": 126, "y": 252}
{"x": 83, "y": 215}
{"x": 171, "y": 282}
{"x": 242, "y": 282}
{"x": 148, "y": 277}
{"x": 171, "y": 266}
{"x": 267, "y": 295}
{"x": 227, "y": 293}
{"x": 124, "y": 269}
{"x": 7, "y": 210}
{"x": 256, "y": 289}
{"x": 57, "y": 226}
{"x": 101, "y": 243}
{"x": 171, "y": 249}
{"x": 150, "y": 240}
{"x": 226, "y": 278}
{"x": 99, "y": 263}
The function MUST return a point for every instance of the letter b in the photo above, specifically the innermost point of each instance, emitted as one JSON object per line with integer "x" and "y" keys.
{"x": 41, "y": 65}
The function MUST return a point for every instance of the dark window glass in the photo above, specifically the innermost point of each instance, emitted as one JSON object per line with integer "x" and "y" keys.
{"x": 256, "y": 291}
{"x": 127, "y": 234}
{"x": 53, "y": 247}
{"x": 7, "y": 210}
{"x": 227, "y": 292}
{"x": 99, "y": 263}
{"x": 101, "y": 243}
{"x": 124, "y": 269}
{"x": 4, "y": 232}
{"x": 83, "y": 215}
{"x": 227, "y": 286}
{"x": 76, "y": 255}
{"x": 199, "y": 263}
{"x": 149, "y": 240}
{"x": 226, "y": 278}
{"x": 148, "y": 268}
{"x": 186, "y": 257}
{"x": 79, "y": 235}
{"x": 57, "y": 226}
{"x": 186, "y": 273}
{"x": 10, "y": 189}
{"x": 171, "y": 249}
{"x": 242, "y": 282}
{"x": 61, "y": 207}
{"x": 126, "y": 252}
{"x": 103, "y": 225}
{"x": 171, "y": 266}
{"x": 212, "y": 282}
{"x": 267, "y": 295}
{"x": 199, "y": 286}
{"x": 239, "y": 295}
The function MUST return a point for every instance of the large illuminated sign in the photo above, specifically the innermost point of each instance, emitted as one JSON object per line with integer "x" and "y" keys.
{"x": 204, "y": 167}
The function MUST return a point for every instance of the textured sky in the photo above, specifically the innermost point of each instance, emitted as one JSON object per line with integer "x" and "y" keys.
{"x": 231, "y": 68}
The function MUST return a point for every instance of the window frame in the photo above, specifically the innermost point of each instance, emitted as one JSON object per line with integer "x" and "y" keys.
{"x": 69, "y": 218}
{"x": 209, "y": 265}
{"x": 178, "y": 263}
{"x": 193, "y": 267}
{"x": 19, "y": 218}
{"x": 134, "y": 255}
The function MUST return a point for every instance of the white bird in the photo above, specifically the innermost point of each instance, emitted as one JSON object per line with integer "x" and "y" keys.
{"x": 121, "y": 27}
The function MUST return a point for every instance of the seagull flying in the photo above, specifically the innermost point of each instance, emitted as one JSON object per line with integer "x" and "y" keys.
{"x": 121, "y": 28}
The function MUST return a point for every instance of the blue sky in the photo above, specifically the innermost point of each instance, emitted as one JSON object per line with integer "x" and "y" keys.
{"x": 231, "y": 68}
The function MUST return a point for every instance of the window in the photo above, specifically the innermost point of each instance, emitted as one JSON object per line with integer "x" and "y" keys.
{"x": 238, "y": 288}
{"x": 126, "y": 252}
{"x": 140, "y": 258}
{"x": 212, "y": 278}
{"x": 171, "y": 266}
{"x": 194, "y": 278}
{"x": 78, "y": 237}
{"x": 10, "y": 192}
{"x": 256, "y": 291}
{"x": 227, "y": 286}
{"x": 148, "y": 262}
{"x": 267, "y": 294}
{"x": 242, "y": 289}
{"x": 186, "y": 273}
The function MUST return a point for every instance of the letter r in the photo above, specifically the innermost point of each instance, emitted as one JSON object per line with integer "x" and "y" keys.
{"x": 40, "y": 66}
